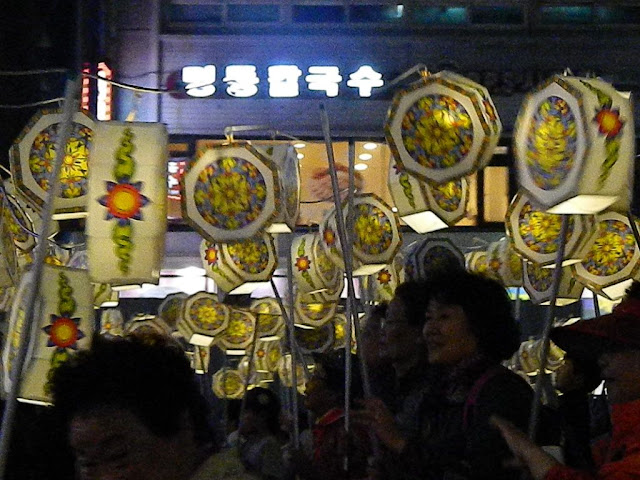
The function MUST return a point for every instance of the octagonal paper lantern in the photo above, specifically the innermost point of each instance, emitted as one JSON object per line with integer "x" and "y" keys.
{"x": 574, "y": 142}
{"x": 477, "y": 262}
{"x": 382, "y": 285}
{"x": 228, "y": 384}
{"x": 269, "y": 320}
{"x": 239, "y": 332}
{"x": 612, "y": 263}
{"x": 8, "y": 257}
{"x": 313, "y": 270}
{"x": 284, "y": 155}
{"x": 426, "y": 206}
{"x": 503, "y": 263}
{"x": 231, "y": 193}
{"x": 241, "y": 266}
{"x": 147, "y": 324}
{"x": 200, "y": 359}
{"x": 443, "y": 127}
{"x": 534, "y": 233}
{"x": 538, "y": 283}
{"x": 315, "y": 340}
{"x": 33, "y": 154}
{"x": 203, "y": 319}
{"x": 112, "y": 322}
{"x": 266, "y": 356}
{"x": 127, "y": 203}
{"x": 172, "y": 308}
{"x": 18, "y": 222}
{"x": 313, "y": 312}
{"x": 432, "y": 256}
{"x": 530, "y": 356}
{"x": 285, "y": 372}
{"x": 376, "y": 237}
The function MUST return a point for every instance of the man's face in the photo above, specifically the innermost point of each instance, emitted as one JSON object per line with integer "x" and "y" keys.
{"x": 113, "y": 444}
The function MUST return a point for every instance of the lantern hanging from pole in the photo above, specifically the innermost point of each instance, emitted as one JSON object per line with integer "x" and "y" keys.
{"x": 172, "y": 308}
{"x": 204, "y": 319}
{"x": 504, "y": 264}
{"x": 315, "y": 340}
{"x": 534, "y": 233}
{"x": 239, "y": 332}
{"x": 443, "y": 127}
{"x": 313, "y": 312}
{"x": 266, "y": 356}
{"x": 18, "y": 222}
{"x": 64, "y": 324}
{"x": 199, "y": 359}
{"x": 231, "y": 193}
{"x": 285, "y": 372}
{"x": 8, "y": 257}
{"x": 426, "y": 206}
{"x": 476, "y": 262}
{"x": 530, "y": 355}
{"x": 376, "y": 237}
{"x": 612, "y": 263}
{"x": 228, "y": 384}
{"x": 313, "y": 270}
{"x": 574, "y": 142}
{"x": 432, "y": 256}
{"x": 538, "y": 283}
{"x": 382, "y": 285}
{"x": 147, "y": 324}
{"x": 127, "y": 203}
{"x": 104, "y": 296}
{"x": 33, "y": 154}
{"x": 285, "y": 157}
{"x": 239, "y": 267}
{"x": 112, "y": 322}
{"x": 269, "y": 322}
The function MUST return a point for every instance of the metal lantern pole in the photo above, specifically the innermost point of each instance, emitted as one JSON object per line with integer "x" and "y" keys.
{"x": 555, "y": 286}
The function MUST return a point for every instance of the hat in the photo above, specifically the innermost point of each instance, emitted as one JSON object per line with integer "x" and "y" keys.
{"x": 587, "y": 339}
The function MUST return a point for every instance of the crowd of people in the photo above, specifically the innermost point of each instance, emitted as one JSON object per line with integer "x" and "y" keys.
{"x": 441, "y": 404}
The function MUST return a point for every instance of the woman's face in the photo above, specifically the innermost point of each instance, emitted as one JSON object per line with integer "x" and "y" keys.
{"x": 620, "y": 371}
{"x": 448, "y": 335}
{"x": 398, "y": 339}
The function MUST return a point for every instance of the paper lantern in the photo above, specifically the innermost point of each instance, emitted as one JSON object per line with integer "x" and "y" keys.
{"x": 443, "y": 127}
{"x": 64, "y": 323}
{"x": 239, "y": 267}
{"x": 266, "y": 356}
{"x": 147, "y": 324}
{"x": 376, "y": 237}
{"x": 285, "y": 372}
{"x": 314, "y": 313}
{"x": 538, "y": 283}
{"x": 18, "y": 222}
{"x": 382, "y": 285}
{"x": 477, "y": 262}
{"x": 269, "y": 321}
{"x": 112, "y": 322}
{"x": 228, "y": 384}
{"x": 285, "y": 157}
{"x": 504, "y": 264}
{"x": 231, "y": 193}
{"x": 426, "y": 206}
{"x": 239, "y": 332}
{"x": 432, "y": 256}
{"x": 313, "y": 270}
{"x": 612, "y": 262}
{"x": 8, "y": 258}
{"x": 200, "y": 359}
{"x": 574, "y": 142}
{"x": 127, "y": 203}
{"x": 6, "y": 298}
{"x": 530, "y": 356}
{"x": 104, "y": 296}
{"x": 203, "y": 319}
{"x": 172, "y": 308}
{"x": 535, "y": 233}
{"x": 260, "y": 379}
{"x": 33, "y": 154}
{"x": 315, "y": 340}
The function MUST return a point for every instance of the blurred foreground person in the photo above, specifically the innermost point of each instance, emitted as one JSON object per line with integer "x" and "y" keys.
{"x": 134, "y": 411}
{"x": 614, "y": 340}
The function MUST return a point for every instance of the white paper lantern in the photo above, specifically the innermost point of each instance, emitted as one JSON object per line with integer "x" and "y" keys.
{"x": 239, "y": 333}
{"x": 504, "y": 264}
{"x": 228, "y": 384}
{"x": 313, "y": 270}
{"x": 538, "y": 283}
{"x": 204, "y": 319}
{"x": 269, "y": 321}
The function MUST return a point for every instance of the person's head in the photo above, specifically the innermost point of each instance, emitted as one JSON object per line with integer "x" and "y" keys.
{"x": 326, "y": 387}
{"x": 370, "y": 335}
{"x": 133, "y": 409}
{"x": 469, "y": 315}
{"x": 401, "y": 336}
{"x": 261, "y": 412}
{"x": 577, "y": 375}
{"x": 614, "y": 341}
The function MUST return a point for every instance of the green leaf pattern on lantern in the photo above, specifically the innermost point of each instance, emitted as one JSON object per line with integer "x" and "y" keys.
{"x": 66, "y": 302}
{"x": 121, "y": 236}
{"x": 125, "y": 167}
{"x": 300, "y": 254}
{"x": 406, "y": 189}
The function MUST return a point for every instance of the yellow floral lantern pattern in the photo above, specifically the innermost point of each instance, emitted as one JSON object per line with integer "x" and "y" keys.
{"x": 315, "y": 340}
{"x": 18, "y": 222}
{"x": 231, "y": 192}
{"x": 504, "y": 264}
{"x": 228, "y": 384}
{"x": 240, "y": 330}
{"x": 313, "y": 271}
{"x": 204, "y": 319}
{"x": 33, "y": 154}
{"x": 266, "y": 356}
{"x": 269, "y": 320}
{"x": 313, "y": 311}
{"x": 538, "y": 282}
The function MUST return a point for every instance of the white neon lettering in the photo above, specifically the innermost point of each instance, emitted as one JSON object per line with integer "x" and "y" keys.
{"x": 365, "y": 79}
{"x": 199, "y": 80}
{"x": 242, "y": 80}
{"x": 283, "y": 81}
{"x": 324, "y": 79}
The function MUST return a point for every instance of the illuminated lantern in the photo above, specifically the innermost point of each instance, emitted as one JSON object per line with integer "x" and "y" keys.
{"x": 203, "y": 319}
{"x": 260, "y": 379}
{"x": 313, "y": 270}
{"x": 18, "y": 222}
{"x": 64, "y": 324}
{"x": 104, "y": 296}
{"x": 112, "y": 322}
{"x": 199, "y": 359}
{"x": 442, "y": 127}
{"x": 314, "y": 313}
{"x": 269, "y": 322}
{"x": 612, "y": 262}
{"x": 315, "y": 340}
{"x": 147, "y": 324}
{"x": 228, "y": 384}
{"x": 574, "y": 142}
{"x": 231, "y": 193}
{"x": 239, "y": 267}
{"x": 172, "y": 308}
{"x": 432, "y": 256}
{"x": 376, "y": 238}
{"x": 476, "y": 262}
{"x": 6, "y": 298}
{"x": 285, "y": 157}
{"x": 538, "y": 283}
{"x": 534, "y": 233}
{"x": 239, "y": 332}
{"x": 8, "y": 257}
{"x": 285, "y": 372}
{"x": 504, "y": 264}
{"x": 340, "y": 333}
{"x": 530, "y": 355}
{"x": 127, "y": 203}
{"x": 425, "y": 206}
{"x": 266, "y": 356}
{"x": 33, "y": 154}
{"x": 382, "y": 285}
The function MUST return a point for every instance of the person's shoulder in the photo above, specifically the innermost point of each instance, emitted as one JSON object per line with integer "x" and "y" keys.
{"x": 502, "y": 382}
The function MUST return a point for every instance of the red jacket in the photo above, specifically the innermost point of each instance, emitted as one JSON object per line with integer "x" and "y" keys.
{"x": 617, "y": 458}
